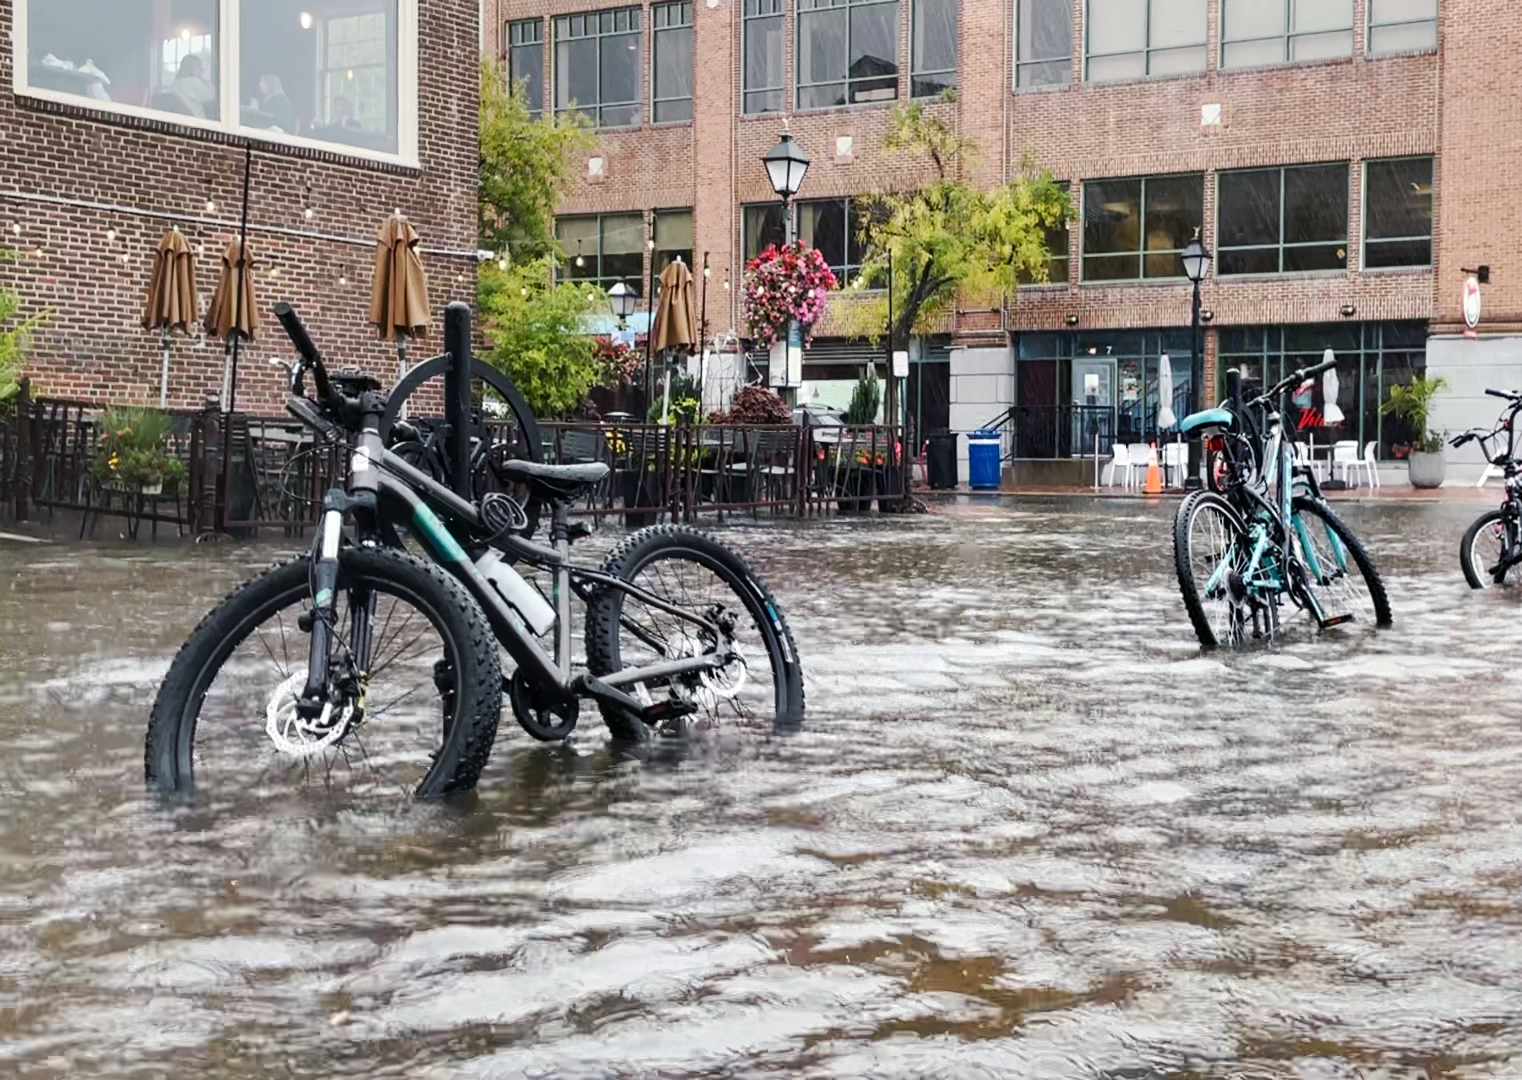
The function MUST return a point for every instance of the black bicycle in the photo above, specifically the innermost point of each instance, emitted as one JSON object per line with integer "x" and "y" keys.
{"x": 1492, "y": 546}
{"x": 377, "y": 669}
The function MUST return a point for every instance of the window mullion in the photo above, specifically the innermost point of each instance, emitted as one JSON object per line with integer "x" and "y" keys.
{"x": 230, "y": 97}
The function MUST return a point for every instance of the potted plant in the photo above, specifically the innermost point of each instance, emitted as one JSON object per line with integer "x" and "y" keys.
{"x": 1412, "y": 404}
{"x": 856, "y": 477}
{"x": 750, "y": 406}
{"x": 133, "y": 454}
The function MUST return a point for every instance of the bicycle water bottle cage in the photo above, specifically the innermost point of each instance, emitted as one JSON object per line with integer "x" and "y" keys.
{"x": 1208, "y": 422}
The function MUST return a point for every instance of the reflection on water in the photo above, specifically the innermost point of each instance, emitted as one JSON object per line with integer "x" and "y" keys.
{"x": 1028, "y": 830}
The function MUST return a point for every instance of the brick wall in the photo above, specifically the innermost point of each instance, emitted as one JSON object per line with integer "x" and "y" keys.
{"x": 89, "y": 267}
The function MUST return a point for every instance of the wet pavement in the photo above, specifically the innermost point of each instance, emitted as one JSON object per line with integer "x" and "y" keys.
{"x": 1029, "y": 830}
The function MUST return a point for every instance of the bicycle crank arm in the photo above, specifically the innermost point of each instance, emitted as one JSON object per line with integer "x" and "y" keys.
{"x": 600, "y": 692}
{"x": 710, "y": 662}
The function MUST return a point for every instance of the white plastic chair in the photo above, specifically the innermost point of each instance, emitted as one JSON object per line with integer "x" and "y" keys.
{"x": 1371, "y": 463}
{"x": 1344, "y": 459}
{"x": 1303, "y": 457}
{"x": 1120, "y": 465}
{"x": 1175, "y": 462}
{"x": 1492, "y": 472}
{"x": 1140, "y": 453}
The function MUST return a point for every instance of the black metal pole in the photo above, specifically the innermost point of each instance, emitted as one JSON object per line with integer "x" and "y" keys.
{"x": 457, "y": 397}
{"x": 1196, "y": 377}
{"x": 649, "y": 324}
{"x": 224, "y": 504}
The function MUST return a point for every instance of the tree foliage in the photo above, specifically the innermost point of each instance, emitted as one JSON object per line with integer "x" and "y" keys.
{"x": 536, "y": 330}
{"x": 15, "y": 333}
{"x": 946, "y": 238}
{"x": 525, "y": 168}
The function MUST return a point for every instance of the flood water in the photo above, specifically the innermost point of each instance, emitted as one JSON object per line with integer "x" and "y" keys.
{"x": 1029, "y": 830}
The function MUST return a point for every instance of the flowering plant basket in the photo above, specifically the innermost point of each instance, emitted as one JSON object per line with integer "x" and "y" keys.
{"x": 133, "y": 452}
{"x": 616, "y": 362}
{"x": 784, "y": 284}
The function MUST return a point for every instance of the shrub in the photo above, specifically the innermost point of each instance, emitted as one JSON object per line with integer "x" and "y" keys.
{"x": 755, "y": 405}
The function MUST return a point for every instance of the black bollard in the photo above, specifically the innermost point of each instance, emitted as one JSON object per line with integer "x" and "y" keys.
{"x": 457, "y": 396}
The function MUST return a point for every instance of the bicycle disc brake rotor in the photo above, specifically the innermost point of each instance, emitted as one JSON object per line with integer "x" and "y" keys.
{"x": 295, "y": 734}
{"x": 710, "y": 686}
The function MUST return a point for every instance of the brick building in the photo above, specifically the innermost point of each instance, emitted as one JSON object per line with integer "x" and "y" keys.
{"x": 1343, "y": 161}
{"x": 124, "y": 118}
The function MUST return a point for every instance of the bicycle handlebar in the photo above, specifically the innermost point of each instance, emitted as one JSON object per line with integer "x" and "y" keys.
{"x": 1291, "y": 380}
{"x": 297, "y": 332}
{"x": 1504, "y": 395}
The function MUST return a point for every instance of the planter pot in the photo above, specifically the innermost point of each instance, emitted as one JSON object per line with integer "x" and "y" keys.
{"x": 640, "y": 489}
{"x": 1426, "y": 470}
{"x": 889, "y": 482}
{"x": 156, "y": 488}
{"x": 850, "y": 485}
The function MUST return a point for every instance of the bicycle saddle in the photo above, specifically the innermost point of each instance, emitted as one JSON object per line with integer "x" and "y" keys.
{"x": 552, "y": 482}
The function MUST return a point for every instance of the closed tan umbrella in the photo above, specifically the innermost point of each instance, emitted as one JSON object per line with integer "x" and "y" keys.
{"x": 171, "y": 298}
{"x": 399, "y": 290}
{"x": 233, "y": 312}
{"x": 676, "y": 316}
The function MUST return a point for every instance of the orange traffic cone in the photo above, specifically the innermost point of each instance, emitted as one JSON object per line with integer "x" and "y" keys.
{"x": 1154, "y": 474}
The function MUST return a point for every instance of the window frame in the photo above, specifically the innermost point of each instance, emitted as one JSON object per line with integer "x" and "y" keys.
{"x": 230, "y": 74}
{"x": 657, "y": 251}
{"x": 513, "y": 76}
{"x": 593, "y": 111}
{"x": 855, "y": 206}
{"x": 600, "y": 280}
{"x": 1146, "y": 50}
{"x": 1363, "y": 202}
{"x": 656, "y": 33}
{"x": 845, "y": 7}
{"x": 1280, "y": 247}
{"x": 1368, "y": 40}
{"x": 778, "y": 11}
{"x": 954, "y": 72}
{"x": 1037, "y": 62}
{"x": 1066, "y": 254}
{"x": 1287, "y": 39}
{"x": 1142, "y": 253}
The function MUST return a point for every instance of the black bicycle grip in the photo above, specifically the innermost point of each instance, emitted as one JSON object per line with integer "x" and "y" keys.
{"x": 1234, "y": 389}
{"x": 297, "y": 332}
{"x": 1502, "y": 394}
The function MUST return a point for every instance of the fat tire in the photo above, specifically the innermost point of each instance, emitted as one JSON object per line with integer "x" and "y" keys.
{"x": 1317, "y": 508}
{"x": 637, "y": 551}
{"x": 468, "y": 735}
{"x": 1181, "y": 564}
{"x": 1466, "y": 548}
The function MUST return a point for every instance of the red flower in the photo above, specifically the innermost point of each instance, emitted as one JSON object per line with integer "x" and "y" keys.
{"x": 783, "y": 285}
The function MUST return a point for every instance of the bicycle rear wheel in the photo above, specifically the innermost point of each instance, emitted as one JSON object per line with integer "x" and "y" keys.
{"x": 1209, "y": 552}
{"x": 420, "y": 720}
{"x": 1489, "y": 540}
{"x": 1339, "y": 572}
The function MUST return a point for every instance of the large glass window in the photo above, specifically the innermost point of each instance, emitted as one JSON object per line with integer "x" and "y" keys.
{"x": 833, "y": 226}
{"x": 847, "y": 52}
{"x": 525, "y": 61}
{"x": 1043, "y": 42}
{"x": 1137, "y": 228}
{"x": 1282, "y": 31}
{"x": 933, "y": 47}
{"x": 1371, "y": 358}
{"x": 671, "y": 61}
{"x": 673, "y": 239}
{"x": 1402, "y": 25}
{"x": 1132, "y": 38}
{"x": 1057, "y": 255}
{"x": 1283, "y": 221}
{"x": 603, "y": 249}
{"x": 1397, "y": 213}
{"x": 597, "y": 66}
{"x": 763, "y": 56}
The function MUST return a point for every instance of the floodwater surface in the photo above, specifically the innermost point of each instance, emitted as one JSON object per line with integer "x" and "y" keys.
{"x": 1028, "y": 830}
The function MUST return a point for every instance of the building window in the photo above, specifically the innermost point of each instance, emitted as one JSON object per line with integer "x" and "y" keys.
{"x": 603, "y": 249}
{"x": 1371, "y": 358}
{"x": 328, "y": 71}
{"x": 1057, "y": 254}
{"x": 673, "y": 239}
{"x": 525, "y": 61}
{"x": 833, "y": 226}
{"x": 847, "y": 52}
{"x": 1402, "y": 25}
{"x": 1132, "y": 38}
{"x": 763, "y": 56}
{"x": 1044, "y": 43}
{"x": 1136, "y": 228}
{"x": 1397, "y": 213}
{"x": 1256, "y": 32}
{"x": 597, "y": 66}
{"x": 1283, "y": 221}
{"x": 671, "y": 62}
{"x": 932, "y": 47}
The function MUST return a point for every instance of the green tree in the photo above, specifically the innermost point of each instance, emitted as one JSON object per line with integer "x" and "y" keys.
{"x": 946, "y": 238}
{"x": 525, "y": 168}
{"x": 15, "y": 333}
{"x": 536, "y": 330}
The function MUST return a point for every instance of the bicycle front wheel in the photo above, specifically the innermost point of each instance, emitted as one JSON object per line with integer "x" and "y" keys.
{"x": 1488, "y": 541}
{"x": 1339, "y": 572}
{"x": 419, "y": 720}
{"x": 1209, "y": 553}
{"x": 687, "y": 570}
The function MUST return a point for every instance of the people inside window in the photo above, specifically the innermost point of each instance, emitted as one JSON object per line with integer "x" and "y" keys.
{"x": 272, "y": 100}
{"x": 193, "y": 89}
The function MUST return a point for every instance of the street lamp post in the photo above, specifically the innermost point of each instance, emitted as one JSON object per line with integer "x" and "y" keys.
{"x": 623, "y": 300}
{"x": 786, "y": 164}
{"x": 1196, "y": 258}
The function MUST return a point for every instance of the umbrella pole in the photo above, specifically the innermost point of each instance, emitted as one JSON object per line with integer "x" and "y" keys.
{"x": 401, "y": 367}
{"x": 703, "y": 326}
{"x": 164, "y": 367}
{"x": 225, "y": 503}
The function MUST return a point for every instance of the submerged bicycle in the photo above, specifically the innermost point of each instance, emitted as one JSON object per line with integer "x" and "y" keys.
{"x": 365, "y": 665}
{"x": 1492, "y": 545}
{"x": 1267, "y": 535}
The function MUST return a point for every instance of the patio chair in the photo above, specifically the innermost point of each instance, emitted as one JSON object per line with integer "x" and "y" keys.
{"x": 1119, "y": 466}
{"x": 1345, "y": 459}
{"x": 1303, "y": 457}
{"x": 1175, "y": 463}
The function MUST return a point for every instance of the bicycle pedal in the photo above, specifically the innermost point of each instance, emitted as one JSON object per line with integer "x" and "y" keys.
{"x": 663, "y": 712}
{"x": 1336, "y": 620}
{"x": 577, "y": 530}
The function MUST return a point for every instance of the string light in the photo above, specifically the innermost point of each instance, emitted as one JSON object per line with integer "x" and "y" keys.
{"x": 110, "y": 236}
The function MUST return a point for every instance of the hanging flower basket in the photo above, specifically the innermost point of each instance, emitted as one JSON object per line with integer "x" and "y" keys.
{"x": 784, "y": 284}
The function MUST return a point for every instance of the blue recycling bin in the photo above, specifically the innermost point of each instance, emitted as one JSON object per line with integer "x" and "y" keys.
{"x": 983, "y": 460}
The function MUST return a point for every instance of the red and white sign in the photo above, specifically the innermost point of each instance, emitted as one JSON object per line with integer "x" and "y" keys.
{"x": 1471, "y": 304}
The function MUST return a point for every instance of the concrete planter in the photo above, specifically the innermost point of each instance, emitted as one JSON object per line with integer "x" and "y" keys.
{"x": 1426, "y": 470}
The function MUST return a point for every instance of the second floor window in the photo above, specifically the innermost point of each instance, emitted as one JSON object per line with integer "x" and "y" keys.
{"x": 1284, "y": 31}
{"x": 1283, "y": 221}
{"x": 671, "y": 62}
{"x": 673, "y": 240}
{"x": 1129, "y": 39}
{"x": 604, "y": 249}
{"x": 597, "y": 66}
{"x": 833, "y": 226}
{"x": 847, "y": 52}
{"x": 762, "y": 65}
{"x": 1397, "y": 213}
{"x": 932, "y": 47}
{"x": 1402, "y": 25}
{"x": 1136, "y": 228}
{"x": 1057, "y": 254}
{"x": 525, "y": 61}
{"x": 1043, "y": 42}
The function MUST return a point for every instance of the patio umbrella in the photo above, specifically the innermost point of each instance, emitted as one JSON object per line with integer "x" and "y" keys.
{"x": 232, "y": 313}
{"x": 676, "y": 317}
{"x": 1165, "y": 417}
{"x": 171, "y": 298}
{"x": 1331, "y": 414}
{"x": 399, "y": 289}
